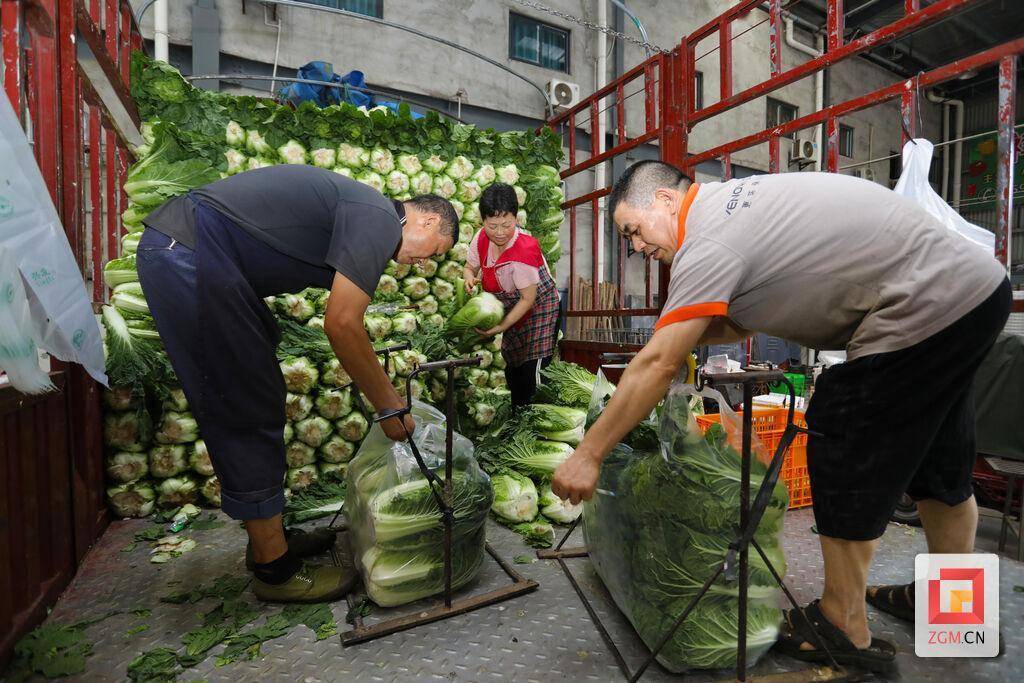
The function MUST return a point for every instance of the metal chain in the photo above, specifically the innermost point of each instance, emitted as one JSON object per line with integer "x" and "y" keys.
{"x": 592, "y": 26}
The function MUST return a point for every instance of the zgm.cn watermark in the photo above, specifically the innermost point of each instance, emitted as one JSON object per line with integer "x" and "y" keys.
{"x": 956, "y": 605}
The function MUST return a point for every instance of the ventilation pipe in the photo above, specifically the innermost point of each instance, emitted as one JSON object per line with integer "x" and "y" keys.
{"x": 597, "y": 146}
{"x": 819, "y": 86}
{"x": 160, "y": 35}
{"x": 958, "y": 147}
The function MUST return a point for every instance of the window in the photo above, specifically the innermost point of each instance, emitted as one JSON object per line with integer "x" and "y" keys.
{"x": 371, "y": 8}
{"x": 538, "y": 43}
{"x": 698, "y": 87}
{"x": 846, "y": 140}
{"x": 780, "y": 112}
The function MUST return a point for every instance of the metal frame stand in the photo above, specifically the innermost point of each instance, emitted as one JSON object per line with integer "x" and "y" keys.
{"x": 735, "y": 563}
{"x": 441, "y": 490}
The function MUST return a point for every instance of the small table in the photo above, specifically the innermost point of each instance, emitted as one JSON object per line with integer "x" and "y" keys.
{"x": 1013, "y": 470}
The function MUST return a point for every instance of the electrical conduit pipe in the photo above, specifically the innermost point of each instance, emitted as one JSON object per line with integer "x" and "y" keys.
{"x": 160, "y": 35}
{"x": 819, "y": 87}
{"x": 597, "y": 146}
{"x": 958, "y": 133}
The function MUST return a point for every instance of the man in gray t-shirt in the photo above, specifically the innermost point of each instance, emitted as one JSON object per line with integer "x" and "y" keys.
{"x": 829, "y": 261}
{"x": 207, "y": 260}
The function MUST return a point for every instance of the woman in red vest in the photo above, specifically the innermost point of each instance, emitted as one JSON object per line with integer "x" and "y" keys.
{"x": 508, "y": 263}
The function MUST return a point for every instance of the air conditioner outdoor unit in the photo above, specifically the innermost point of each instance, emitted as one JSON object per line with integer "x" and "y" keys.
{"x": 803, "y": 151}
{"x": 562, "y": 94}
{"x": 869, "y": 174}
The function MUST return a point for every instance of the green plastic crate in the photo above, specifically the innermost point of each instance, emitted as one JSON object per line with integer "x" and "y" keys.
{"x": 798, "y": 384}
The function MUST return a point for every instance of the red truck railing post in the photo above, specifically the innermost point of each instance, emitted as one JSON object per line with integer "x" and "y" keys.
{"x": 110, "y": 192}
{"x": 10, "y": 40}
{"x": 95, "y": 204}
{"x": 725, "y": 80}
{"x": 775, "y": 65}
{"x": 595, "y": 233}
{"x": 1006, "y": 146}
{"x": 836, "y": 24}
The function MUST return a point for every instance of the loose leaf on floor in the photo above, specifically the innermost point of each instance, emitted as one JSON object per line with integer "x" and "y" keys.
{"x": 223, "y": 587}
{"x": 135, "y": 629}
{"x": 211, "y": 522}
{"x": 53, "y": 650}
{"x": 224, "y": 623}
{"x": 151, "y": 533}
{"x": 155, "y": 666}
{"x": 246, "y": 645}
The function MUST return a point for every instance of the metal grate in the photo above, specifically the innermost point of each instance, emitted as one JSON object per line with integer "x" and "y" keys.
{"x": 620, "y": 335}
{"x": 1015, "y": 324}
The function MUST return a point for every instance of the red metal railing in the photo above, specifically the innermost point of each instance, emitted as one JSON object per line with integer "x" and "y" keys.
{"x": 674, "y": 100}
{"x": 648, "y": 79}
{"x": 51, "y": 465}
{"x": 907, "y": 91}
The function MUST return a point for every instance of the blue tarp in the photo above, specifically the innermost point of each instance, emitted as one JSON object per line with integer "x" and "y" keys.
{"x": 325, "y": 96}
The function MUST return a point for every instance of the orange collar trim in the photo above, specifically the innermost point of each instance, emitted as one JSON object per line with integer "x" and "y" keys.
{"x": 691, "y": 194}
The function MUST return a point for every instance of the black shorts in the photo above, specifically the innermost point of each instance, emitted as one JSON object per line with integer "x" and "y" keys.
{"x": 899, "y": 422}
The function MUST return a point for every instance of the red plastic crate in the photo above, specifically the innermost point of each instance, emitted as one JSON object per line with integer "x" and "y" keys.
{"x": 769, "y": 424}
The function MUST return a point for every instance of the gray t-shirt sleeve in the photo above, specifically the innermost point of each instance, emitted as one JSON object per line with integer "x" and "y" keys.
{"x": 704, "y": 279}
{"x": 363, "y": 240}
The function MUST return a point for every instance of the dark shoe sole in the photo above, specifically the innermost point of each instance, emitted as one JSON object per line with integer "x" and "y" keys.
{"x": 335, "y": 595}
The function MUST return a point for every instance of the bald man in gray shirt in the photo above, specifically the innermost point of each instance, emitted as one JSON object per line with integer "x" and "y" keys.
{"x": 829, "y": 261}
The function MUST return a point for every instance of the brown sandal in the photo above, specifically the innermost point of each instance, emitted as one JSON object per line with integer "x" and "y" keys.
{"x": 895, "y": 600}
{"x": 878, "y": 657}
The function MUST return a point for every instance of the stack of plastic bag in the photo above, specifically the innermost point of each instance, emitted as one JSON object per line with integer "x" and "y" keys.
{"x": 43, "y": 300}
{"x": 395, "y": 523}
{"x": 660, "y": 524}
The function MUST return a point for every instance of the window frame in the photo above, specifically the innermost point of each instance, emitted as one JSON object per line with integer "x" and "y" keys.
{"x": 769, "y": 101}
{"x": 846, "y": 135}
{"x": 378, "y": 6}
{"x": 512, "y": 16}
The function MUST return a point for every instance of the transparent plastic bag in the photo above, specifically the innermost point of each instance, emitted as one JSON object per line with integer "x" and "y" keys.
{"x": 43, "y": 300}
{"x": 395, "y": 522}
{"x": 913, "y": 183}
{"x": 660, "y": 524}
{"x": 19, "y": 355}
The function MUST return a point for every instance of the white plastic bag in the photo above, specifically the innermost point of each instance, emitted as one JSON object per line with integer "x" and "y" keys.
{"x": 394, "y": 521}
{"x": 45, "y": 303}
{"x": 661, "y": 523}
{"x": 913, "y": 183}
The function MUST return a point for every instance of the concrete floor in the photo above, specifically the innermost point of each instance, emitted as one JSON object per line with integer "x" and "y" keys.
{"x": 544, "y": 636}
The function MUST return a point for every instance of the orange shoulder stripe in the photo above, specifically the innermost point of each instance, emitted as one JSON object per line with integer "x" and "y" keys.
{"x": 705, "y": 310}
{"x": 684, "y": 210}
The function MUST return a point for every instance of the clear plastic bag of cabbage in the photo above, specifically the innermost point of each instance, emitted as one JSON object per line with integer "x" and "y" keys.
{"x": 660, "y": 525}
{"x": 395, "y": 522}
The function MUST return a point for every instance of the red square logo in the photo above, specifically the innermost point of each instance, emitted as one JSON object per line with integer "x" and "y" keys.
{"x": 951, "y": 602}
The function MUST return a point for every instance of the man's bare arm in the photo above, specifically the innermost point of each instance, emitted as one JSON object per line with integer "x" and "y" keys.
{"x": 643, "y": 385}
{"x": 343, "y": 323}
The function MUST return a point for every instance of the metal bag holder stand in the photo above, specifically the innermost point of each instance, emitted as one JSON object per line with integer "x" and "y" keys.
{"x": 734, "y": 565}
{"x": 441, "y": 490}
